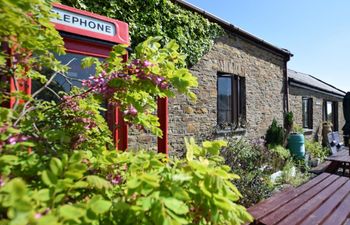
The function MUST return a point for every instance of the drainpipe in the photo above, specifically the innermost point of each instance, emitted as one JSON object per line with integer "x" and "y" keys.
{"x": 286, "y": 88}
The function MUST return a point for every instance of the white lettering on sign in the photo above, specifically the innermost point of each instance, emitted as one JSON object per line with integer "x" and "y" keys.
{"x": 83, "y": 22}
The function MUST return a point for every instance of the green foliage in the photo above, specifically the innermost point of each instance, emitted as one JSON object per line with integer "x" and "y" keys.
{"x": 281, "y": 152}
{"x": 288, "y": 121}
{"x": 274, "y": 134}
{"x": 25, "y": 30}
{"x": 292, "y": 175}
{"x": 253, "y": 163}
{"x": 109, "y": 187}
{"x": 194, "y": 34}
{"x": 297, "y": 129}
{"x": 316, "y": 150}
{"x": 151, "y": 72}
{"x": 58, "y": 164}
{"x": 279, "y": 156}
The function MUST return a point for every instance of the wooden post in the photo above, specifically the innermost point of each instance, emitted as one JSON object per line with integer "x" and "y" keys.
{"x": 162, "y": 113}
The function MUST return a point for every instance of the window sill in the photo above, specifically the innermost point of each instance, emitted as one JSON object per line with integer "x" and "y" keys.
{"x": 239, "y": 131}
{"x": 308, "y": 131}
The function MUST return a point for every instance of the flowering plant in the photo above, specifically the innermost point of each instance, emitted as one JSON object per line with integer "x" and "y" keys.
{"x": 152, "y": 72}
{"x": 58, "y": 164}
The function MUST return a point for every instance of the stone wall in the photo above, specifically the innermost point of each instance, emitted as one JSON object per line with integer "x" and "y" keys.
{"x": 295, "y": 105}
{"x": 263, "y": 73}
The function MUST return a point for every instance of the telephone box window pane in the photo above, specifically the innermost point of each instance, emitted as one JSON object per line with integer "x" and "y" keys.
{"x": 75, "y": 72}
{"x": 61, "y": 83}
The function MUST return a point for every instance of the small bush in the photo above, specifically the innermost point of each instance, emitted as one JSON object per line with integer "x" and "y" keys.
{"x": 316, "y": 150}
{"x": 297, "y": 129}
{"x": 274, "y": 134}
{"x": 292, "y": 174}
{"x": 251, "y": 162}
{"x": 279, "y": 156}
{"x": 288, "y": 121}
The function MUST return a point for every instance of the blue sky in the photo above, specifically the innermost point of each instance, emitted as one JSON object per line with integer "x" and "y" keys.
{"x": 317, "y": 32}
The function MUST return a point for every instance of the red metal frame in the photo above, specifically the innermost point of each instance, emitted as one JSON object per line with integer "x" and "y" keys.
{"x": 122, "y": 28}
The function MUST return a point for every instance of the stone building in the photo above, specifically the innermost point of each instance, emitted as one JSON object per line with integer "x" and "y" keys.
{"x": 313, "y": 101}
{"x": 242, "y": 88}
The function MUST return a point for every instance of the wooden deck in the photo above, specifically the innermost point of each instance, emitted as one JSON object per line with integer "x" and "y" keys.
{"x": 323, "y": 200}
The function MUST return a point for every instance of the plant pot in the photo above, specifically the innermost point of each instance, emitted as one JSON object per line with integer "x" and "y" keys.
{"x": 296, "y": 145}
{"x": 315, "y": 162}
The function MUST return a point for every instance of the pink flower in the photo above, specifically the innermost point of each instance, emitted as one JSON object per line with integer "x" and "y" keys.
{"x": 147, "y": 63}
{"x": 163, "y": 85}
{"x": 2, "y": 182}
{"x": 38, "y": 215}
{"x": 17, "y": 138}
{"x": 131, "y": 110}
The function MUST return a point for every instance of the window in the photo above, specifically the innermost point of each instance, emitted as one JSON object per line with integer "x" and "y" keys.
{"x": 73, "y": 77}
{"x": 307, "y": 112}
{"x": 330, "y": 113}
{"x": 230, "y": 104}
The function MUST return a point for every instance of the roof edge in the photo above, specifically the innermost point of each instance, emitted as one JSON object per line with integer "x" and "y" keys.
{"x": 309, "y": 85}
{"x": 228, "y": 26}
{"x": 299, "y": 84}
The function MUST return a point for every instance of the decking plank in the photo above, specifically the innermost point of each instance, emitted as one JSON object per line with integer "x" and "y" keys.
{"x": 280, "y": 213}
{"x": 340, "y": 214}
{"x": 302, "y": 212}
{"x": 269, "y": 205}
{"x": 328, "y": 207}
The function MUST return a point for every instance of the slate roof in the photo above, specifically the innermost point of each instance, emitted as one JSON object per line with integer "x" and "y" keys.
{"x": 230, "y": 27}
{"x": 308, "y": 81}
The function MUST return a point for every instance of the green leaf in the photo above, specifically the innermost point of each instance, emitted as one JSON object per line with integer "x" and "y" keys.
{"x": 48, "y": 219}
{"x": 70, "y": 212}
{"x": 17, "y": 187}
{"x": 48, "y": 178}
{"x": 56, "y": 166}
{"x": 8, "y": 159}
{"x": 175, "y": 205}
{"x": 44, "y": 195}
{"x": 99, "y": 206}
{"x": 98, "y": 182}
{"x": 189, "y": 151}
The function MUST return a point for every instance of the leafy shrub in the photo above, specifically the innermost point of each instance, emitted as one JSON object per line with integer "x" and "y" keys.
{"x": 292, "y": 174}
{"x": 252, "y": 163}
{"x": 110, "y": 187}
{"x": 274, "y": 134}
{"x": 58, "y": 164}
{"x": 316, "y": 150}
{"x": 288, "y": 121}
{"x": 297, "y": 129}
{"x": 279, "y": 156}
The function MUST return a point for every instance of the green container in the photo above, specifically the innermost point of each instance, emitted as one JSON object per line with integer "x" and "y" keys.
{"x": 296, "y": 145}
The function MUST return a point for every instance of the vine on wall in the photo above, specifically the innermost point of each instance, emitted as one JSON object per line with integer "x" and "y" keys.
{"x": 194, "y": 33}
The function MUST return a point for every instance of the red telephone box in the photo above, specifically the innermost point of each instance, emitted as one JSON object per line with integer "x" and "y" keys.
{"x": 89, "y": 34}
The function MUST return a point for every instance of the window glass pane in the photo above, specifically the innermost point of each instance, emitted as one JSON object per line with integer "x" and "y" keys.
{"x": 329, "y": 115}
{"x": 60, "y": 83}
{"x": 224, "y": 99}
{"x": 305, "y": 113}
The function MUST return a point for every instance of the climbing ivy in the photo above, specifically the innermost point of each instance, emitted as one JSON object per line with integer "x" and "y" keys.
{"x": 194, "y": 33}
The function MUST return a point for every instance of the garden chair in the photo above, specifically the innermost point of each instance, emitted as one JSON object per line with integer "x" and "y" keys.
{"x": 336, "y": 146}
